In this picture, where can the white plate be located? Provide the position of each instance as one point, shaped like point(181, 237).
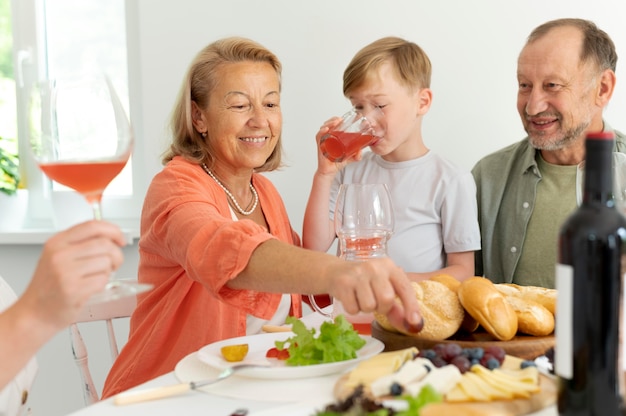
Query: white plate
point(276, 369)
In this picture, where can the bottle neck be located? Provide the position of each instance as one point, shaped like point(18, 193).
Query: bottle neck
point(598, 183)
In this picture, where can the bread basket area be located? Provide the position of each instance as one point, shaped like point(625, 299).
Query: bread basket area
point(478, 313)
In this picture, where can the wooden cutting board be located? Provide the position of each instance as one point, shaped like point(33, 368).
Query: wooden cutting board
point(522, 346)
point(546, 397)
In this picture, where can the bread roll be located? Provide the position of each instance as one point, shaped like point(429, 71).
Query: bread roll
point(532, 318)
point(469, 324)
point(488, 306)
point(543, 296)
point(440, 308)
point(451, 282)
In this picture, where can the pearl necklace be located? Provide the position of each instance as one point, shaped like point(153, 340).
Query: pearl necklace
point(231, 196)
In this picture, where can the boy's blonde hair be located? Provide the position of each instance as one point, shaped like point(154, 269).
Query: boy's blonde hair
point(411, 64)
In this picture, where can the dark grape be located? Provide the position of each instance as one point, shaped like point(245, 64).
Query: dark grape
point(438, 348)
point(492, 363)
point(428, 353)
point(462, 363)
point(496, 352)
point(450, 351)
point(439, 362)
point(527, 363)
point(486, 357)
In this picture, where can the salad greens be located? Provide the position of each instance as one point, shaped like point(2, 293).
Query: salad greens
point(337, 341)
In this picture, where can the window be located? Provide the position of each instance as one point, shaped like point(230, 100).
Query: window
point(53, 38)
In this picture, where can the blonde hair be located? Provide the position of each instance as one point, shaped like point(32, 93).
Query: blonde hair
point(411, 64)
point(200, 80)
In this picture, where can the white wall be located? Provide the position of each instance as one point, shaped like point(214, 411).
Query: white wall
point(473, 46)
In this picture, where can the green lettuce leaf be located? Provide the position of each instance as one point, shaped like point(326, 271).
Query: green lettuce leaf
point(337, 341)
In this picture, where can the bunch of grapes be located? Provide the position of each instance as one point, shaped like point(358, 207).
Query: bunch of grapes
point(464, 358)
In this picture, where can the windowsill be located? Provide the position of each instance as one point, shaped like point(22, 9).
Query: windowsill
point(40, 235)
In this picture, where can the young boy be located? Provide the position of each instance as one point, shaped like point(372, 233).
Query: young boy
point(436, 227)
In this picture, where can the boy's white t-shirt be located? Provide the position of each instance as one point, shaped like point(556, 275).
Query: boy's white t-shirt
point(12, 395)
point(434, 204)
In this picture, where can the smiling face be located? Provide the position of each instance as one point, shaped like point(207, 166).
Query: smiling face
point(558, 94)
point(402, 108)
point(243, 119)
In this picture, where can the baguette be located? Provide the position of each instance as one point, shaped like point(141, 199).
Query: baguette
point(488, 306)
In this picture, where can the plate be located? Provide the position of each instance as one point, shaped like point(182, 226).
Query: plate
point(523, 346)
point(275, 369)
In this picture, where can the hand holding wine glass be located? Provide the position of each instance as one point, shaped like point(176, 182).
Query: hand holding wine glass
point(81, 138)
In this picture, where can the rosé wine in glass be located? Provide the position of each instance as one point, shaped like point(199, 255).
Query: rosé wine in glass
point(80, 137)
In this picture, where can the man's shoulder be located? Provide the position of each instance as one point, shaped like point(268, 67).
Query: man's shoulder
point(620, 141)
point(505, 154)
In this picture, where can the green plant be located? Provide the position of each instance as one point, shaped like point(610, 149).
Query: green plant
point(9, 172)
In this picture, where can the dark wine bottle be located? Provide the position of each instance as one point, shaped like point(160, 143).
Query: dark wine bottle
point(592, 242)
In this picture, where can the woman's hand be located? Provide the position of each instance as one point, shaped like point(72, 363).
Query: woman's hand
point(377, 285)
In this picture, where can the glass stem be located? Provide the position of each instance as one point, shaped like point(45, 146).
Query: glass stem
point(97, 210)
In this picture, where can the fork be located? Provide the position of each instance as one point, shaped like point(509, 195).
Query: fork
point(168, 391)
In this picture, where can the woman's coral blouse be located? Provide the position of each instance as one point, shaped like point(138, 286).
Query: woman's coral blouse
point(189, 249)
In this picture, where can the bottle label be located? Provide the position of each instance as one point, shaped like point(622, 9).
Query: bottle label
point(563, 352)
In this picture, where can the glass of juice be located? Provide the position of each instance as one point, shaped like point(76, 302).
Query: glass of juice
point(355, 132)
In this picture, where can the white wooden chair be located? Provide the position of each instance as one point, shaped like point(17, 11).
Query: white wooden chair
point(120, 308)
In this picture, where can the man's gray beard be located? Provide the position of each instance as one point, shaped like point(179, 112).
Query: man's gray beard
point(570, 137)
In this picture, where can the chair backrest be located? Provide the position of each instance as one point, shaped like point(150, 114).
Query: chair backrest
point(120, 308)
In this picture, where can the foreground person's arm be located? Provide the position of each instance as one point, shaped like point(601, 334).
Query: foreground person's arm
point(74, 265)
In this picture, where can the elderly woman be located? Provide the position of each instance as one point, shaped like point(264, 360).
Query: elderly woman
point(216, 241)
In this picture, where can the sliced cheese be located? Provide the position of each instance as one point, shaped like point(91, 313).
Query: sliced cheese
point(441, 379)
point(378, 366)
point(411, 371)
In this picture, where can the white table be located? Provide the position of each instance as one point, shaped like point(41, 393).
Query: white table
point(219, 400)
point(200, 403)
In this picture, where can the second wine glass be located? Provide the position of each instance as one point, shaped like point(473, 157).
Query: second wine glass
point(81, 138)
point(364, 220)
point(364, 223)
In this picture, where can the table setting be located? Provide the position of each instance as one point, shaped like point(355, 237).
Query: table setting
point(260, 391)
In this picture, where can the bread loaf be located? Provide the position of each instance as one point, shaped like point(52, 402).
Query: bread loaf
point(469, 324)
point(534, 306)
point(488, 306)
point(532, 318)
point(440, 308)
point(541, 295)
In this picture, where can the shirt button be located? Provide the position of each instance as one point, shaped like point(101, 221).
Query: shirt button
point(513, 249)
point(525, 204)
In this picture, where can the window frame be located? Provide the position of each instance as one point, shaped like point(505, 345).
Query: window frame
point(28, 54)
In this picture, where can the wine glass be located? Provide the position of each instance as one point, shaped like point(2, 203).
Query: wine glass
point(81, 138)
point(363, 220)
point(364, 223)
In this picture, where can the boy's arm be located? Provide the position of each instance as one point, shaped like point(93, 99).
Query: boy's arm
point(460, 266)
point(318, 232)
